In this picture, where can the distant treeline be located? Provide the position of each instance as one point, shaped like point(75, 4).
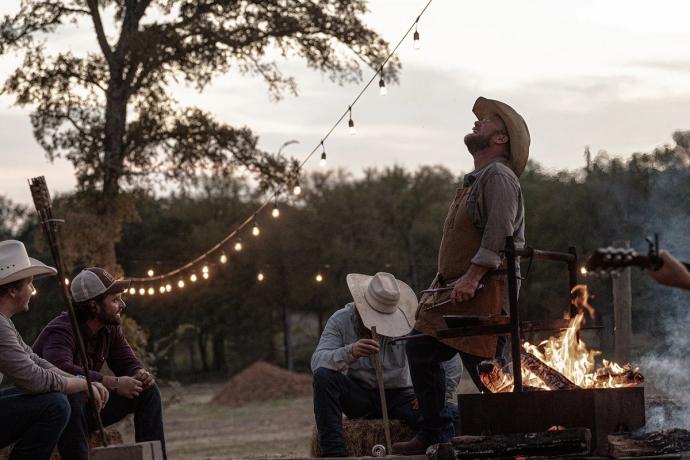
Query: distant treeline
point(386, 220)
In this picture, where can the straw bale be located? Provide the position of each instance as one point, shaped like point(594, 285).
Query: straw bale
point(363, 434)
point(263, 382)
point(113, 435)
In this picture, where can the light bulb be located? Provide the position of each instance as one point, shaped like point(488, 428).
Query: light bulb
point(161, 289)
point(223, 258)
point(192, 278)
point(260, 276)
point(276, 212)
point(205, 275)
point(168, 287)
point(66, 281)
point(180, 284)
point(415, 40)
point(150, 272)
point(142, 291)
point(382, 87)
point(255, 230)
point(583, 271)
point(351, 125)
point(322, 162)
point(132, 291)
point(34, 291)
point(319, 277)
point(205, 269)
point(238, 246)
point(151, 291)
point(297, 190)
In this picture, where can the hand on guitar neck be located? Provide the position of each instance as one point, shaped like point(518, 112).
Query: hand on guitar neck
point(672, 272)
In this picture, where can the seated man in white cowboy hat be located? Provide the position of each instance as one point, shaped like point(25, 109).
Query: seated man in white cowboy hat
point(344, 363)
point(35, 411)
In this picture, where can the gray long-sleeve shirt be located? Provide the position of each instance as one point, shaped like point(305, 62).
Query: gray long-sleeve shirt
point(496, 207)
point(334, 352)
point(26, 370)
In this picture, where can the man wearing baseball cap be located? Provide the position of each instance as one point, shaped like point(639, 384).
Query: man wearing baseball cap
point(35, 410)
point(98, 305)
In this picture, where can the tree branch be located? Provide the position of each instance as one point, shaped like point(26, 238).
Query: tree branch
point(100, 32)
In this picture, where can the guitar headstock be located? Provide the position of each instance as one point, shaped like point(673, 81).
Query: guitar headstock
point(610, 260)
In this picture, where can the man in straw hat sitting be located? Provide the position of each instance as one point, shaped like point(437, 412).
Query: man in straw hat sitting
point(35, 411)
point(344, 363)
point(98, 305)
point(485, 210)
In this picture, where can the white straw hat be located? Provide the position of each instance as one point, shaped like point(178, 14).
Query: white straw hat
point(15, 263)
point(384, 302)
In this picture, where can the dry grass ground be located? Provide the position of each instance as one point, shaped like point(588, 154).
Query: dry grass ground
point(196, 429)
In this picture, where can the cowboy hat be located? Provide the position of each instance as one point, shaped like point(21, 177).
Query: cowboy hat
point(516, 126)
point(384, 302)
point(15, 263)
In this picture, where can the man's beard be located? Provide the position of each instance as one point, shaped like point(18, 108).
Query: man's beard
point(476, 142)
point(112, 320)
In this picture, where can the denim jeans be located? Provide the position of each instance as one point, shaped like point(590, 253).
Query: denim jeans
point(335, 394)
point(148, 421)
point(425, 356)
point(32, 422)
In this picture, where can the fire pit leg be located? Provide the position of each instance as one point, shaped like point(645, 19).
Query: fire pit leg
point(514, 315)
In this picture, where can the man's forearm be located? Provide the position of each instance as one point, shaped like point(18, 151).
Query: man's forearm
point(475, 273)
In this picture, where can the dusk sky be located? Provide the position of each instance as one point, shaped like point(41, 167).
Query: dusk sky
point(614, 75)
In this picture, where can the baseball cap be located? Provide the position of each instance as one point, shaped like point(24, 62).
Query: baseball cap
point(94, 281)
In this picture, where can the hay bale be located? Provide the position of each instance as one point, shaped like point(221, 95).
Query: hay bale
point(114, 437)
point(263, 382)
point(361, 435)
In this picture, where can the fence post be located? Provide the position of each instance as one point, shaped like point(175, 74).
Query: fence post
point(622, 311)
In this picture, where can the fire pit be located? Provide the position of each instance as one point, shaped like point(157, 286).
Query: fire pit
point(559, 385)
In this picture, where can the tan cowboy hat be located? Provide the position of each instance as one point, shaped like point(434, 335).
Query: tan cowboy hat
point(516, 126)
point(15, 263)
point(384, 302)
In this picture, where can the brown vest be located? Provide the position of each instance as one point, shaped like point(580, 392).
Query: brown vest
point(461, 241)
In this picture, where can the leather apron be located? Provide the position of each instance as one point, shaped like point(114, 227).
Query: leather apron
point(461, 241)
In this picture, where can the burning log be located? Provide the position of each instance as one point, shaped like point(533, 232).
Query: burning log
point(493, 377)
point(619, 376)
point(553, 379)
point(559, 443)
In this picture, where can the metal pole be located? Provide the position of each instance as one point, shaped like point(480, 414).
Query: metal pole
point(514, 315)
point(382, 394)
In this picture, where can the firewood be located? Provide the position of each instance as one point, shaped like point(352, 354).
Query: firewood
point(558, 443)
point(493, 377)
point(629, 376)
point(551, 377)
point(655, 443)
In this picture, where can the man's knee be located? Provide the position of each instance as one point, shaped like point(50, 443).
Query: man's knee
point(57, 407)
point(324, 377)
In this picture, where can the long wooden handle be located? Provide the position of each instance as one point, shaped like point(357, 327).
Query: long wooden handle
point(382, 394)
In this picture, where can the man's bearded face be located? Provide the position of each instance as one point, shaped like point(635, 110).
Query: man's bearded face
point(482, 133)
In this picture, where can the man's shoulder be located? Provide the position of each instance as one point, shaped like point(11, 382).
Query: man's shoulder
point(499, 169)
point(342, 314)
point(60, 322)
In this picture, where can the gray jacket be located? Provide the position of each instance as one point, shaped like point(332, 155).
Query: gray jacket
point(26, 370)
point(334, 352)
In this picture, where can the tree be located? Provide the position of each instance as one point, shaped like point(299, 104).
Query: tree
point(111, 112)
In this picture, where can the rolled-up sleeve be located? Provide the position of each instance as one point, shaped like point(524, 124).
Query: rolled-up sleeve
point(499, 207)
point(332, 352)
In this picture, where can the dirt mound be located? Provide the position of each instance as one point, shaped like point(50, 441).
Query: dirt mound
point(263, 382)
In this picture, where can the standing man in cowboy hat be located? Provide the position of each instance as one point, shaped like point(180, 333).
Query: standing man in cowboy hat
point(485, 210)
point(35, 411)
point(344, 363)
point(98, 305)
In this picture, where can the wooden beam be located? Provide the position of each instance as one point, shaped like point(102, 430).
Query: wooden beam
point(622, 311)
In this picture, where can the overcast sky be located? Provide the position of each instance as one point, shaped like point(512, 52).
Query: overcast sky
point(612, 74)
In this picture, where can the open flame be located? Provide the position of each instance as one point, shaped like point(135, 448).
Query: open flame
point(569, 356)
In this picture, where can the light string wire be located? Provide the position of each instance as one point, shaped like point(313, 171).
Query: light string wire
point(150, 280)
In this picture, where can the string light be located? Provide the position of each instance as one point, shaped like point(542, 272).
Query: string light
point(66, 281)
point(415, 36)
point(151, 291)
point(161, 289)
point(34, 291)
point(205, 275)
point(319, 277)
point(193, 278)
point(382, 84)
point(132, 291)
point(168, 287)
point(297, 189)
point(322, 162)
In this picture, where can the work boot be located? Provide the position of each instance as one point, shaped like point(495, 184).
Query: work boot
point(415, 446)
